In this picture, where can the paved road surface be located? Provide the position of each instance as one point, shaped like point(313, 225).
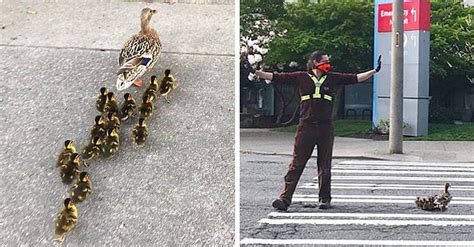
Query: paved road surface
point(373, 204)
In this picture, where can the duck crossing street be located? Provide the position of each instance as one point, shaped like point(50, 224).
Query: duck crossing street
point(373, 203)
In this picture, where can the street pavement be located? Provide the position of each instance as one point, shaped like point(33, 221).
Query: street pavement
point(176, 190)
point(373, 204)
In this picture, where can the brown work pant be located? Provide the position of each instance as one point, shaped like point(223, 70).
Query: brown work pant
point(307, 137)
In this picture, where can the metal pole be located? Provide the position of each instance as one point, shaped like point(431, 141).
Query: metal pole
point(396, 87)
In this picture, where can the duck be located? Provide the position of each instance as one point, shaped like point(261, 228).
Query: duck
point(167, 85)
point(98, 129)
point(146, 109)
point(442, 199)
point(152, 90)
point(128, 107)
point(140, 133)
point(139, 53)
point(66, 220)
point(82, 188)
point(101, 99)
point(92, 150)
point(113, 121)
point(65, 153)
point(111, 104)
point(70, 170)
point(111, 144)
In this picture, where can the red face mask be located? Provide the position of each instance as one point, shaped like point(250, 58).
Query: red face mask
point(325, 67)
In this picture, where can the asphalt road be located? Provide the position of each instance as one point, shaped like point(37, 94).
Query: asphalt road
point(378, 201)
point(177, 189)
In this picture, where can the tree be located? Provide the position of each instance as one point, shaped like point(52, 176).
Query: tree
point(451, 56)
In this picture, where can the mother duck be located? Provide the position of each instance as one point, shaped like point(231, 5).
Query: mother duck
point(139, 54)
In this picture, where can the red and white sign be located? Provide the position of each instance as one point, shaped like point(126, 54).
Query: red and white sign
point(416, 16)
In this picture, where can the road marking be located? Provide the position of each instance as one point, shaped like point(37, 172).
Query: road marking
point(366, 222)
point(353, 242)
point(395, 178)
point(383, 188)
point(367, 215)
point(440, 186)
point(385, 201)
point(403, 172)
point(424, 168)
point(400, 163)
point(457, 198)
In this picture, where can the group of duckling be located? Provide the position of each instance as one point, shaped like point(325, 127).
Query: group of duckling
point(436, 202)
point(104, 141)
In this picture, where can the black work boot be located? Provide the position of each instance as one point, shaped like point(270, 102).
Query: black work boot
point(279, 204)
point(324, 205)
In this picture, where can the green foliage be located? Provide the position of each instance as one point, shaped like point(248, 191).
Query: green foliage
point(451, 50)
point(437, 132)
point(447, 132)
point(344, 29)
point(341, 127)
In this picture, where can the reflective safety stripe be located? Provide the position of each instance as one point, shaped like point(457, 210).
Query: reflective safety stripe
point(317, 89)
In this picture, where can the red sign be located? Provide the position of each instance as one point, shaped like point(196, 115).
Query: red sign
point(416, 16)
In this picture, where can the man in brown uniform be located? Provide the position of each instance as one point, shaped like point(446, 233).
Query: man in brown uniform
point(317, 88)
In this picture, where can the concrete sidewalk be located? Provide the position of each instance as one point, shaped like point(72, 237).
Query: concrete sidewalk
point(265, 141)
point(176, 190)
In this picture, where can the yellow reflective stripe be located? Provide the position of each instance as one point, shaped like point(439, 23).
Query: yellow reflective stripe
point(317, 90)
point(305, 97)
point(317, 93)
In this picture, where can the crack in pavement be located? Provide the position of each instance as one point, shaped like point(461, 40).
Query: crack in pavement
point(115, 50)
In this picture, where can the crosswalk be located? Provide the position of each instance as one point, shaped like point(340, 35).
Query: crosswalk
point(375, 198)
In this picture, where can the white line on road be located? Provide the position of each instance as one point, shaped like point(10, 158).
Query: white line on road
point(383, 188)
point(457, 198)
point(366, 222)
point(424, 168)
point(385, 201)
point(249, 241)
point(442, 173)
point(404, 178)
point(368, 215)
point(441, 186)
point(401, 163)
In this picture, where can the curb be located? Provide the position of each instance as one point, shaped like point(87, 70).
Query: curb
point(350, 157)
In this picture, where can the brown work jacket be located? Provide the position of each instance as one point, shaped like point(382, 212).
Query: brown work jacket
point(316, 110)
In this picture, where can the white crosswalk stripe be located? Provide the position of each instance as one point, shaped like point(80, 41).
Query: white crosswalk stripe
point(377, 183)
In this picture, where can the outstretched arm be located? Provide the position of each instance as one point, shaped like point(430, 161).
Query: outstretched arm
point(365, 75)
point(264, 75)
point(368, 74)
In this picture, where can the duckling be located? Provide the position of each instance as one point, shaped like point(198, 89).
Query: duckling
point(443, 198)
point(167, 85)
point(152, 90)
point(65, 153)
point(82, 189)
point(113, 121)
point(92, 150)
point(98, 129)
point(418, 202)
point(146, 109)
point(101, 99)
point(111, 104)
point(140, 133)
point(66, 220)
point(111, 144)
point(139, 54)
point(128, 107)
point(70, 170)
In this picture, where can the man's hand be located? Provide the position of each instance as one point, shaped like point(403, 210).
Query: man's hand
point(248, 66)
point(379, 64)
